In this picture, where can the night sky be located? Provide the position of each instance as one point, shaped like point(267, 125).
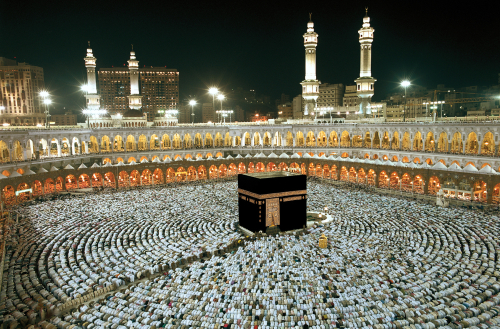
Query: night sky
point(255, 45)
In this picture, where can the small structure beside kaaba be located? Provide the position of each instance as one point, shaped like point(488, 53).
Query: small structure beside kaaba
point(272, 199)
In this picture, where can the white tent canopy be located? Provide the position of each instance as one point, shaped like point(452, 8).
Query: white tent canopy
point(68, 166)
point(82, 166)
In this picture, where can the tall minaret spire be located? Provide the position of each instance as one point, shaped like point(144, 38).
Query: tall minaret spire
point(365, 82)
point(135, 99)
point(310, 86)
point(91, 88)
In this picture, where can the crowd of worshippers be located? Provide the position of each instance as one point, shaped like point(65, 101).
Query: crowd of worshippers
point(389, 263)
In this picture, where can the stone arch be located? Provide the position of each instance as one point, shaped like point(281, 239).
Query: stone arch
point(105, 144)
point(267, 139)
point(222, 171)
point(471, 145)
point(97, 180)
point(241, 168)
point(170, 175)
point(344, 174)
point(154, 142)
point(376, 140)
point(135, 178)
point(209, 142)
point(442, 161)
point(251, 168)
point(368, 140)
point(429, 161)
point(417, 160)
point(84, 181)
point(405, 160)
point(118, 160)
point(480, 191)
point(93, 145)
point(333, 172)
point(443, 142)
point(353, 175)
point(176, 142)
point(371, 177)
point(333, 140)
point(228, 141)
point(394, 182)
point(232, 170)
point(130, 159)
point(385, 141)
point(198, 141)
point(429, 145)
point(395, 141)
point(157, 176)
point(310, 139)
point(248, 139)
point(213, 172)
point(406, 183)
point(109, 180)
point(202, 172)
point(37, 188)
point(488, 144)
point(256, 139)
point(71, 182)
point(4, 153)
point(289, 139)
point(434, 185)
point(146, 177)
point(237, 141)
point(218, 142)
point(394, 158)
point(383, 179)
point(299, 139)
point(361, 176)
point(417, 142)
point(345, 140)
point(357, 141)
point(59, 184)
point(457, 143)
point(259, 167)
point(188, 141)
point(406, 145)
point(192, 173)
point(271, 166)
point(118, 144)
point(65, 147)
point(322, 140)
point(143, 158)
point(418, 184)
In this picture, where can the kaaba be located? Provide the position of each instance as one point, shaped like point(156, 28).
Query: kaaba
point(272, 199)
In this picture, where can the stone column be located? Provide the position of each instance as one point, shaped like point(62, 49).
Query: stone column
point(489, 195)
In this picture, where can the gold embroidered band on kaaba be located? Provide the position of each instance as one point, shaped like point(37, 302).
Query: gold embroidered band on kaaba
point(271, 195)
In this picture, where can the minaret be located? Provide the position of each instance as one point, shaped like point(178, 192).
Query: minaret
point(365, 82)
point(91, 91)
point(310, 86)
point(135, 99)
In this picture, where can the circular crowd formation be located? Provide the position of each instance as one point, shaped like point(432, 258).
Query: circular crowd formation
point(389, 263)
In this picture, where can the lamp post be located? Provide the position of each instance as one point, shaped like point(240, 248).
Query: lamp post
point(224, 113)
point(192, 103)
point(221, 98)
point(213, 91)
point(45, 96)
point(405, 84)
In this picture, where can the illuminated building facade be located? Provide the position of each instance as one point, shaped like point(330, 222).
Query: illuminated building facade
point(20, 103)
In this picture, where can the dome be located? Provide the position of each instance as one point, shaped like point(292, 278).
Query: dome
point(132, 114)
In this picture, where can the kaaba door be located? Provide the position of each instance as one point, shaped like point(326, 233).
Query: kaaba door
point(272, 212)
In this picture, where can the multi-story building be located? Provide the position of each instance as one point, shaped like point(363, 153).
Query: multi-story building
point(185, 114)
point(239, 114)
point(66, 119)
point(285, 111)
point(330, 95)
point(350, 98)
point(297, 107)
point(20, 102)
point(207, 112)
point(159, 88)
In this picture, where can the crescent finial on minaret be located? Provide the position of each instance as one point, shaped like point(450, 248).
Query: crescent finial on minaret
point(366, 9)
point(310, 17)
point(89, 43)
point(132, 46)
